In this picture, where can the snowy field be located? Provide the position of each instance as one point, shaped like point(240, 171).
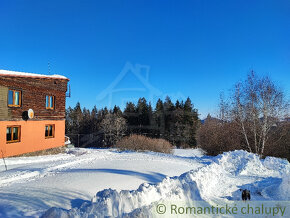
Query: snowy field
point(86, 182)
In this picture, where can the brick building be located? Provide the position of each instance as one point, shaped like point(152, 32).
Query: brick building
point(32, 112)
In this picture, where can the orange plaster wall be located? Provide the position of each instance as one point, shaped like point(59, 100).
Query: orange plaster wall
point(32, 137)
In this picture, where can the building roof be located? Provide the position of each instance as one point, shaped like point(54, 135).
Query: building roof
point(22, 74)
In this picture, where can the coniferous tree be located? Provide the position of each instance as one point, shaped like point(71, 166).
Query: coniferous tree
point(117, 111)
point(74, 117)
point(192, 122)
point(142, 110)
point(178, 125)
point(68, 120)
point(130, 115)
point(94, 119)
point(151, 129)
point(168, 118)
point(159, 118)
point(86, 125)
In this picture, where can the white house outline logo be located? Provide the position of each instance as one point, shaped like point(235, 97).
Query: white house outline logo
point(136, 70)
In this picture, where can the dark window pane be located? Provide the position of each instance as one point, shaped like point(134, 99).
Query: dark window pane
point(15, 133)
point(8, 134)
point(10, 97)
point(50, 131)
point(46, 131)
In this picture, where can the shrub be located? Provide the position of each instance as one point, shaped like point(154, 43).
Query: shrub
point(143, 143)
point(278, 143)
point(216, 137)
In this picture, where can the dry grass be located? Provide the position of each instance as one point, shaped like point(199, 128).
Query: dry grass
point(143, 143)
point(50, 151)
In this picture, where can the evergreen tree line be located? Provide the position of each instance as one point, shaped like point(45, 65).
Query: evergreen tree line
point(176, 122)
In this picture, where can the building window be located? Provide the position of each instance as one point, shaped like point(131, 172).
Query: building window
point(14, 98)
point(49, 131)
point(13, 134)
point(49, 102)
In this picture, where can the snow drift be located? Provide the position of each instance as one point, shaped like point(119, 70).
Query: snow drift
point(219, 180)
point(284, 188)
point(112, 203)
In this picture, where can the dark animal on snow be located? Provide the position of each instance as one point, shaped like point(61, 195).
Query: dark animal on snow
point(246, 195)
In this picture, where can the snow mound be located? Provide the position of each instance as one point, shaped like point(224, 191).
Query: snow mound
point(279, 165)
point(241, 162)
point(284, 188)
point(217, 181)
point(236, 170)
point(113, 203)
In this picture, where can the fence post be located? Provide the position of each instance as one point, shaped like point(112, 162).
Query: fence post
point(4, 160)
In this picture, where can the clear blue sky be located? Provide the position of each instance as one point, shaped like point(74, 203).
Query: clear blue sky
point(194, 48)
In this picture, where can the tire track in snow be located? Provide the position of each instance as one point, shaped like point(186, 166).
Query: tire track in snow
point(27, 175)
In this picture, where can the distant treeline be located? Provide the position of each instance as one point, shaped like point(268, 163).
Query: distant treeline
point(176, 122)
point(254, 117)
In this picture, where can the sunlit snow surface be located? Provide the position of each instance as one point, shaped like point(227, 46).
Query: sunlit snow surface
point(96, 182)
point(24, 74)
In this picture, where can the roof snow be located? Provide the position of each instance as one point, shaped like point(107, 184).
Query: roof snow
point(22, 74)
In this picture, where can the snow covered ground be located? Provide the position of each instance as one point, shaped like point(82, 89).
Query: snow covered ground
point(34, 184)
point(95, 182)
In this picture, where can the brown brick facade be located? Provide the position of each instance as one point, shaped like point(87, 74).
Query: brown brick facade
point(33, 91)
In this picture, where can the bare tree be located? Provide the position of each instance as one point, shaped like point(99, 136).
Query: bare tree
point(257, 106)
point(114, 127)
point(223, 114)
